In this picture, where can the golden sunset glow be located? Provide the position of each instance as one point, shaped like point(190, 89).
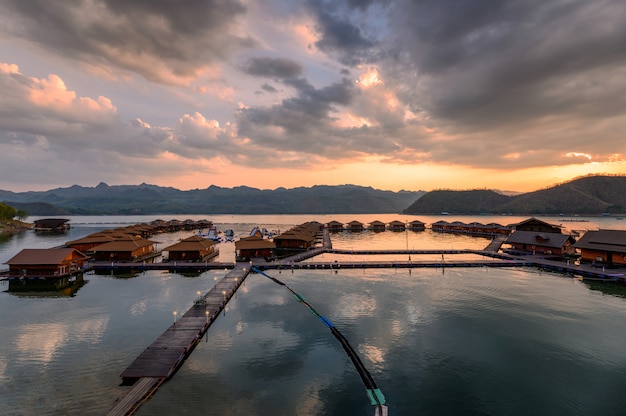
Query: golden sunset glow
point(298, 94)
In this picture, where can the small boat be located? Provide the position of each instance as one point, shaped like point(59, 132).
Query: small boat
point(213, 235)
point(229, 235)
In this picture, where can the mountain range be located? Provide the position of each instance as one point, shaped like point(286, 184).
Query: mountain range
point(590, 195)
point(151, 199)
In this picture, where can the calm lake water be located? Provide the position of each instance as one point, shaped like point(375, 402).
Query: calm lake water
point(437, 342)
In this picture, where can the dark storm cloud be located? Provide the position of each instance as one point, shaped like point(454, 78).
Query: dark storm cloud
point(272, 68)
point(482, 63)
point(304, 120)
point(268, 88)
point(340, 36)
point(134, 35)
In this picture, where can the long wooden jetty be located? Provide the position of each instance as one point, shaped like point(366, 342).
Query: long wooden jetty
point(174, 266)
point(166, 354)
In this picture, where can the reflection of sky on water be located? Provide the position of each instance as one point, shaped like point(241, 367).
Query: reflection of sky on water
point(3, 367)
point(372, 353)
point(418, 332)
point(38, 343)
point(41, 342)
point(139, 307)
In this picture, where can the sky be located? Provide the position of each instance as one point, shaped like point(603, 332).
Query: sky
point(414, 95)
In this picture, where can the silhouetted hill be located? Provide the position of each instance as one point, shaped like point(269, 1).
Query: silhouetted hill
point(39, 208)
point(591, 195)
point(458, 202)
point(151, 199)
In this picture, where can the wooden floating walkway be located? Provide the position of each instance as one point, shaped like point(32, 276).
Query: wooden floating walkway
point(393, 264)
point(175, 266)
point(166, 354)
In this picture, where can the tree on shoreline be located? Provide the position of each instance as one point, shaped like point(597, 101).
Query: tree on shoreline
point(7, 212)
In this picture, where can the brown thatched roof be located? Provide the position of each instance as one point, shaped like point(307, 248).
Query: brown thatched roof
point(253, 243)
point(193, 243)
point(44, 256)
point(124, 245)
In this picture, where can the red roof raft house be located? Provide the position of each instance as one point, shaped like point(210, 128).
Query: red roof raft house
point(354, 226)
point(417, 225)
point(132, 249)
point(396, 225)
point(298, 239)
point(603, 247)
point(45, 269)
point(334, 226)
point(194, 248)
point(377, 226)
point(247, 248)
point(532, 242)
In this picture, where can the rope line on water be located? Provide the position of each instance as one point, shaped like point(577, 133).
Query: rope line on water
point(373, 392)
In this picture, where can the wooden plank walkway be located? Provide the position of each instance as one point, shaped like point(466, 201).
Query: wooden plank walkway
point(495, 244)
point(172, 265)
point(140, 392)
point(392, 264)
point(166, 354)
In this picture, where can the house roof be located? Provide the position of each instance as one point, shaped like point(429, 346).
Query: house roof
point(377, 223)
point(124, 245)
point(536, 221)
point(43, 256)
point(252, 243)
point(355, 223)
point(104, 237)
point(300, 235)
point(50, 222)
point(603, 240)
point(540, 239)
point(440, 222)
point(193, 243)
point(334, 224)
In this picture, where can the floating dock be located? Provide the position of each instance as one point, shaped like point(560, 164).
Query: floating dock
point(166, 354)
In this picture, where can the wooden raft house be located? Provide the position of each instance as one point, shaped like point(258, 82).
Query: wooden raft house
point(536, 225)
point(603, 246)
point(194, 248)
point(417, 225)
point(51, 225)
point(44, 269)
point(334, 226)
point(132, 249)
point(299, 238)
point(396, 225)
point(376, 226)
point(354, 226)
point(532, 242)
point(248, 248)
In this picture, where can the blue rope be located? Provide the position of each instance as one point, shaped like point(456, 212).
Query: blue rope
point(373, 392)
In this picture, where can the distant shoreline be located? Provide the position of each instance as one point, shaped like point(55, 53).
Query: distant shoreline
point(13, 226)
